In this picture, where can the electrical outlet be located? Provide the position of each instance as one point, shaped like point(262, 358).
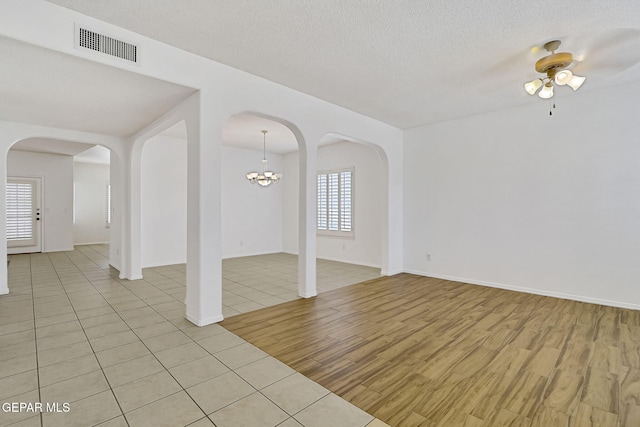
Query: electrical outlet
point(428, 257)
point(241, 243)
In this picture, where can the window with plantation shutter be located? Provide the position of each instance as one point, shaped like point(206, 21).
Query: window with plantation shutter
point(335, 203)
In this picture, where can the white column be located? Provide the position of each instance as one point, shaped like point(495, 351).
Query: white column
point(4, 282)
point(394, 216)
point(204, 249)
point(6, 141)
point(132, 179)
point(307, 219)
point(116, 177)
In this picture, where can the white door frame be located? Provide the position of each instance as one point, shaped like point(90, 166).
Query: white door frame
point(15, 247)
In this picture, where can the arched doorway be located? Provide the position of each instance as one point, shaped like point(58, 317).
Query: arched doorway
point(351, 186)
point(64, 186)
point(259, 224)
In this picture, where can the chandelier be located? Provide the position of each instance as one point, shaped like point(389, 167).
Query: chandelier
point(266, 177)
point(554, 66)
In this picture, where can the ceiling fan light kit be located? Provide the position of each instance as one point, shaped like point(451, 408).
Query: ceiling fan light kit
point(554, 66)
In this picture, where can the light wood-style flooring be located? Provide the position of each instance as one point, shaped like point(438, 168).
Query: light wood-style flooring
point(418, 351)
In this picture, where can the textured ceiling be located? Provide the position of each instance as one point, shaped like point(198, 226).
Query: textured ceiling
point(403, 62)
point(44, 87)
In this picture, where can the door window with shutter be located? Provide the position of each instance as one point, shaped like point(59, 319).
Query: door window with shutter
point(23, 215)
point(335, 203)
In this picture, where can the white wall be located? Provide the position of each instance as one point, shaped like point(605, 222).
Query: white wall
point(91, 180)
point(290, 219)
point(523, 200)
point(57, 173)
point(251, 215)
point(365, 247)
point(164, 201)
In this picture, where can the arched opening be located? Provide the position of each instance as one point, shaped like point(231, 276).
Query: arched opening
point(59, 199)
point(259, 248)
point(259, 263)
point(67, 192)
point(351, 188)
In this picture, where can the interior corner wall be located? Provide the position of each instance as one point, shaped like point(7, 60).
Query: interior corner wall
point(365, 248)
point(163, 201)
point(57, 180)
point(251, 215)
point(521, 200)
point(90, 183)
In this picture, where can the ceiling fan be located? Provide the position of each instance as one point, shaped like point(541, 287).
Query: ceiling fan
point(555, 66)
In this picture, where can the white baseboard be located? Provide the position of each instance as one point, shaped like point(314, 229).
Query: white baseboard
point(204, 322)
point(346, 261)
point(391, 272)
point(162, 264)
point(124, 276)
point(533, 291)
point(91, 243)
point(311, 295)
point(250, 254)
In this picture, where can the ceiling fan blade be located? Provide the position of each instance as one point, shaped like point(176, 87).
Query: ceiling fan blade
point(523, 59)
point(607, 54)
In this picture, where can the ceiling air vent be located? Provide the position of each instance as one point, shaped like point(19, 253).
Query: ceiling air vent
point(108, 45)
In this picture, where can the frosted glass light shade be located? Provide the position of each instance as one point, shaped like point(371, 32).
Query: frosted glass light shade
point(566, 77)
point(563, 77)
point(547, 91)
point(532, 86)
point(576, 82)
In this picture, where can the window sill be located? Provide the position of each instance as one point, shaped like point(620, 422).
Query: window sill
point(337, 234)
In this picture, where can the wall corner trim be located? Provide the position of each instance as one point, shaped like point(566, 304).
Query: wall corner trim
point(204, 322)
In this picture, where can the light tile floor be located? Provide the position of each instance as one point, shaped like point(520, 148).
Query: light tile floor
point(254, 282)
point(119, 352)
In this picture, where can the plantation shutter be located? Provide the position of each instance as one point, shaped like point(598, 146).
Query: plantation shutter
point(345, 201)
point(20, 211)
point(322, 202)
point(335, 201)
